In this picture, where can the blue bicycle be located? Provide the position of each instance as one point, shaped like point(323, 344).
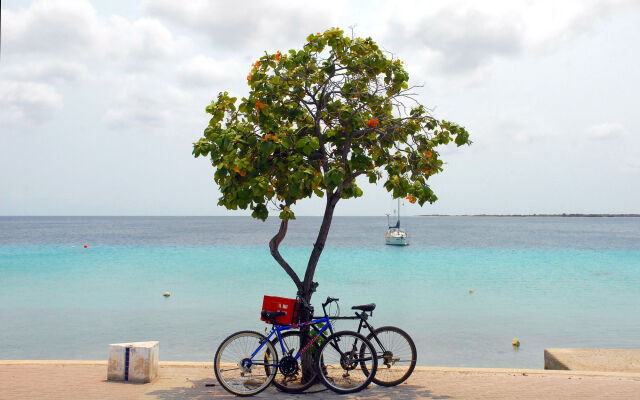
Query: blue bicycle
point(247, 362)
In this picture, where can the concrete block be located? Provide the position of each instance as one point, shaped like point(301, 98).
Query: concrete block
point(133, 362)
point(603, 360)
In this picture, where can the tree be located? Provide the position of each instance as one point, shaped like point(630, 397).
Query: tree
point(315, 120)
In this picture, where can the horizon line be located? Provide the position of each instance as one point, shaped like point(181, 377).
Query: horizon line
point(351, 216)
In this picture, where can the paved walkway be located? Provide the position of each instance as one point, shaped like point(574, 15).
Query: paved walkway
point(87, 380)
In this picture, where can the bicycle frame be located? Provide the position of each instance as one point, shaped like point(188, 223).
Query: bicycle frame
point(280, 328)
point(363, 322)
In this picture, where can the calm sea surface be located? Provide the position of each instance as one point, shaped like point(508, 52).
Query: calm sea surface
point(550, 282)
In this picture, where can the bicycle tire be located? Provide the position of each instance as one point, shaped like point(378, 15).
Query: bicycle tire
point(339, 358)
point(398, 360)
point(291, 341)
point(234, 360)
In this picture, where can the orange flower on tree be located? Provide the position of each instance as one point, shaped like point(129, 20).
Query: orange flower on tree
point(249, 77)
point(277, 56)
point(259, 105)
point(373, 122)
point(429, 153)
point(242, 173)
point(411, 199)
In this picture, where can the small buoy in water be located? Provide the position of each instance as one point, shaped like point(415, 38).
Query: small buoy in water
point(515, 342)
point(166, 294)
point(85, 246)
point(470, 291)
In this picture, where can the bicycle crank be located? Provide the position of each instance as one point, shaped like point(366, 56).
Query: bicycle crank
point(288, 366)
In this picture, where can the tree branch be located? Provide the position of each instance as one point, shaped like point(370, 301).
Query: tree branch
point(273, 246)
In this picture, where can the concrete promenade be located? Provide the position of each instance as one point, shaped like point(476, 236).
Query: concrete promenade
point(183, 380)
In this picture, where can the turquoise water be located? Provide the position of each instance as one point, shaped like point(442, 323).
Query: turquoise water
point(66, 302)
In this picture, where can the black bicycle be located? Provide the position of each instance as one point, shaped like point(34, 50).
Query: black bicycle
point(395, 350)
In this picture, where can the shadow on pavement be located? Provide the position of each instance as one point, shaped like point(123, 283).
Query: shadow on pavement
point(201, 391)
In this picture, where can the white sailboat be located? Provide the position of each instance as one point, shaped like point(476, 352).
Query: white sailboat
point(396, 236)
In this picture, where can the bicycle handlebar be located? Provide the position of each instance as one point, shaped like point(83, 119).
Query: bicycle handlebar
point(329, 301)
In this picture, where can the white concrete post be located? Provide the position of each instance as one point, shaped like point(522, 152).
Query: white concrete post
point(133, 362)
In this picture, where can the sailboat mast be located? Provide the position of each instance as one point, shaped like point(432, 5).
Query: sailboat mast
point(398, 212)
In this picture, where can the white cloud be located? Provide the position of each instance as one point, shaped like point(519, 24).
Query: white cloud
point(28, 101)
point(47, 71)
point(54, 42)
point(632, 166)
point(547, 23)
point(52, 27)
point(606, 131)
point(201, 71)
point(141, 43)
point(457, 41)
point(244, 22)
point(57, 28)
point(145, 106)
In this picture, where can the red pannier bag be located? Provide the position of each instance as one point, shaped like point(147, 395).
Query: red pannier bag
point(290, 306)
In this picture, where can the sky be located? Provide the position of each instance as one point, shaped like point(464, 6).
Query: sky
point(100, 102)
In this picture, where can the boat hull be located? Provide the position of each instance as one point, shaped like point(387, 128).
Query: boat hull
point(397, 241)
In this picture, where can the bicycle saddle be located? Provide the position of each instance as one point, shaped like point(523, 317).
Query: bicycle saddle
point(269, 315)
point(365, 307)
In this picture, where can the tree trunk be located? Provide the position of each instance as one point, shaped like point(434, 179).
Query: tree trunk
point(308, 286)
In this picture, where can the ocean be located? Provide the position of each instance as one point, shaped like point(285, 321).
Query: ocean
point(550, 282)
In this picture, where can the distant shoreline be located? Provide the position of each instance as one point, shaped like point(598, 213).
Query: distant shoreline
point(320, 216)
point(535, 215)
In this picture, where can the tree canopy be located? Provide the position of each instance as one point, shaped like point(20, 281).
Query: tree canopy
point(317, 118)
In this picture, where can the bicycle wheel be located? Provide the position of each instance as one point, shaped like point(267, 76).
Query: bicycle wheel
point(296, 382)
point(341, 360)
point(397, 356)
point(240, 374)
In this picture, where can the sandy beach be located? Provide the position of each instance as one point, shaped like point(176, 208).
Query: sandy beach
point(183, 380)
